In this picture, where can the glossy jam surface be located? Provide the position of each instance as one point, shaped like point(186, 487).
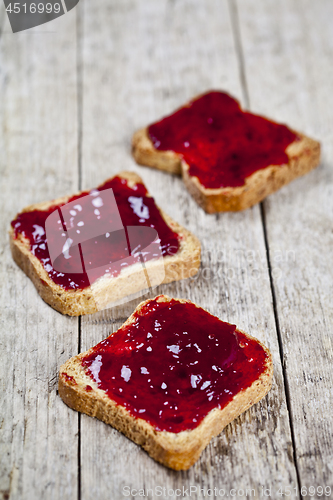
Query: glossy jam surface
point(174, 364)
point(221, 143)
point(87, 218)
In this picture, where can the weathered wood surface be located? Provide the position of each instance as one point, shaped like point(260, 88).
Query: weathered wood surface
point(68, 112)
point(38, 160)
point(288, 54)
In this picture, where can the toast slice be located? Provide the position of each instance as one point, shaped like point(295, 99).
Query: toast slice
point(146, 154)
point(237, 142)
point(86, 296)
point(171, 378)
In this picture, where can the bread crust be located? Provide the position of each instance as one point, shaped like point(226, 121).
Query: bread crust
point(145, 154)
point(179, 451)
point(106, 290)
point(303, 155)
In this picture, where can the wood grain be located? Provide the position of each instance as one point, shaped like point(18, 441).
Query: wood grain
point(139, 61)
point(38, 143)
point(288, 52)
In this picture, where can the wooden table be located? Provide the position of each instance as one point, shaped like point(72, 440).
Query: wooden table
point(72, 93)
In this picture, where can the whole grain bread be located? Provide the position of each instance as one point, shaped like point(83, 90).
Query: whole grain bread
point(178, 451)
point(106, 290)
point(303, 155)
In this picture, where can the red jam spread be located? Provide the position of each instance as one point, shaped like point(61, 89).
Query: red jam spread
point(174, 364)
point(221, 143)
point(133, 216)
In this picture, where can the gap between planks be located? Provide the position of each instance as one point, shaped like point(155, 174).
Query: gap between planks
point(242, 72)
point(79, 72)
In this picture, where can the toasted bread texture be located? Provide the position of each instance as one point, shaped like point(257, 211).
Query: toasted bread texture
point(146, 154)
point(177, 450)
point(106, 291)
point(303, 156)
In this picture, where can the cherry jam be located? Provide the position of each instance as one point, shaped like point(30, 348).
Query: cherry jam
point(221, 143)
point(131, 213)
point(174, 364)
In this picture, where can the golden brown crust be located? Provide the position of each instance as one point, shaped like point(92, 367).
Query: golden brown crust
point(177, 451)
point(105, 291)
point(303, 154)
point(145, 154)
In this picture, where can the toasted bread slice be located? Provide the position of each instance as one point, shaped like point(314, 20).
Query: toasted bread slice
point(303, 155)
point(106, 290)
point(177, 439)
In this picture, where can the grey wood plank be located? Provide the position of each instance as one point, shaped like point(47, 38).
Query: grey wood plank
point(38, 143)
point(139, 61)
point(288, 50)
